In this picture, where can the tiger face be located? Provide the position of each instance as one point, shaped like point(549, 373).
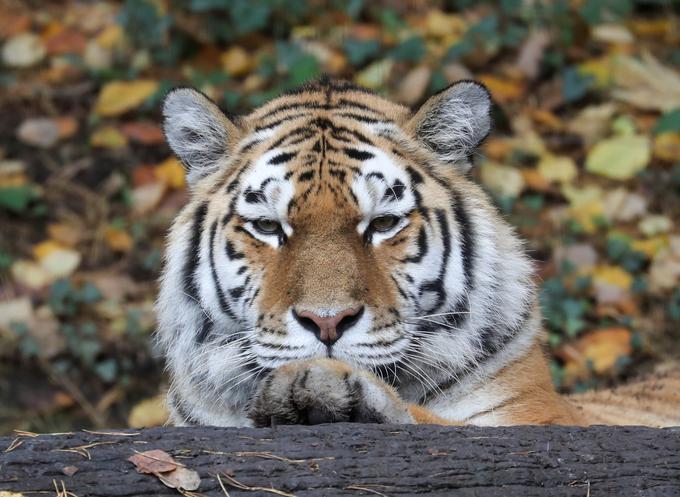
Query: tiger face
point(328, 223)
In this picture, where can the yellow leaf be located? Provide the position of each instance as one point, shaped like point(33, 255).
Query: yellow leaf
point(651, 246)
point(43, 249)
point(10, 494)
point(376, 74)
point(171, 172)
point(119, 97)
point(441, 25)
point(236, 61)
point(119, 240)
point(108, 137)
point(600, 69)
point(612, 275)
point(111, 37)
point(603, 348)
point(621, 157)
point(503, 90)
point(149, 412)
point(667, 146)
point(557, 168)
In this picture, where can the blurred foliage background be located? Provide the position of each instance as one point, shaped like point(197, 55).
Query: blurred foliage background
point(584, 160)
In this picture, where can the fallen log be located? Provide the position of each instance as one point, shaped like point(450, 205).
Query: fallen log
point(354, 460)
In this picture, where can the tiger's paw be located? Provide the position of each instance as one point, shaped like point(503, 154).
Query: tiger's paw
point(325, 391)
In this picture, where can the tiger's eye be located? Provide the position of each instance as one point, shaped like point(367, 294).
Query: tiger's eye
point(267, 226)
point(384, 223)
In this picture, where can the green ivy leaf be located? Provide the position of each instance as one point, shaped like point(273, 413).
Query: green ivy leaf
point(17, 198)
point(669, 122)
point(410, 50)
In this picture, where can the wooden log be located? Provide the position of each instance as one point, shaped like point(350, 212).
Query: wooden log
point(357, 459)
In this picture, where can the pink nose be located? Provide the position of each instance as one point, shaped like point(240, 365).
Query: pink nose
point(329, 329)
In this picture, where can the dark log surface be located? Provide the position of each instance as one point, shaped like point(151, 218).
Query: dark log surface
point(355, 460)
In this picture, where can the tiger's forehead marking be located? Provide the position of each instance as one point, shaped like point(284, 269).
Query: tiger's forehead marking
point(325, 156)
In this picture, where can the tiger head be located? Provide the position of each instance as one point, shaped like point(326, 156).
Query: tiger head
point(329, 222)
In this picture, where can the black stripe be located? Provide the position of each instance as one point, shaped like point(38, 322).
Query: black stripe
point(281, 158)
point(395, 192)
point(255, 197)
point(278, 122)
point(360, 118)
point(355, 154)
point(306, 176)
point(468, 247)
point(193, 254)
point(297, 131)
point(437, 285)
point(422, 245)
point(224, 305)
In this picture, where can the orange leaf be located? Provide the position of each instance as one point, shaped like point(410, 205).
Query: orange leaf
point(143, 132)
point(171, 172)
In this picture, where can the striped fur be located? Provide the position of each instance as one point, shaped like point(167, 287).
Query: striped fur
point(450, 326)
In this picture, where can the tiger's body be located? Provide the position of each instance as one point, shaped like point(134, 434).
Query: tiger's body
point(336, 263)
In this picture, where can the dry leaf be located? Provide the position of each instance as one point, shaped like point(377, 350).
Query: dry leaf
point(143, 132)
point(559, 169)
point(504, 180)
point(163, 466)
point(108, 137)
point(646, 83)
point(23, 50)
point(40, 132)
point(181, 478)
point(413, 85)
point(15, 311)
point(153, 461)
point(147, 196)
point(118, 240)
point(119, 97)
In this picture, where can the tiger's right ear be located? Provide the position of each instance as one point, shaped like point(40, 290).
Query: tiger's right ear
point(197, 131)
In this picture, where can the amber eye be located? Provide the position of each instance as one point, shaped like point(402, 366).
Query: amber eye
point(267, 226)
point(385, 223)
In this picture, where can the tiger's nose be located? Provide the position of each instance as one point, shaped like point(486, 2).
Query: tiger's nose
point(329, 329)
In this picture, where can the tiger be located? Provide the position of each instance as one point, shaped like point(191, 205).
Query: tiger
point(336, 262)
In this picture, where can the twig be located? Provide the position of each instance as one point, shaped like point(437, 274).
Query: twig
point(237, 484)
point(366, 489)
point(62, 492)
point(83, 449)
point(113, 433)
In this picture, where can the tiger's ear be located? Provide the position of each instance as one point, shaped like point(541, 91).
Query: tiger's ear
point(454, 122)
point(197, 131)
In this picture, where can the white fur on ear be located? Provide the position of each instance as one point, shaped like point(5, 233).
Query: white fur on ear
point(454, 122)
point(196, 130)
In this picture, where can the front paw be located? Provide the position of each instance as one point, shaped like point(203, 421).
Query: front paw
point(325, 391)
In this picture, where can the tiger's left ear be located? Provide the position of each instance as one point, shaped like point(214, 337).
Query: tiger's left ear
point(454, 122)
